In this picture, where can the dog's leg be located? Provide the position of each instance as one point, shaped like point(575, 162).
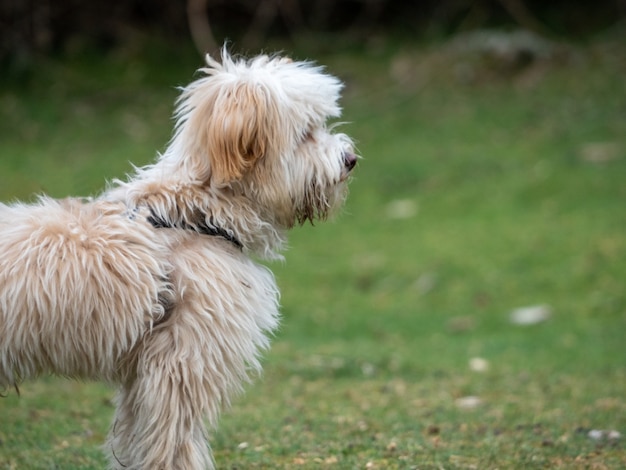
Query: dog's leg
point(187, 368)
point(159, 422)
point(120, 435)
point(156, 427)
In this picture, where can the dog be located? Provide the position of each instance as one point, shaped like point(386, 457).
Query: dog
point(153, 285)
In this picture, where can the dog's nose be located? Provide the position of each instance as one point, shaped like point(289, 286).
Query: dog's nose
point(349, 160)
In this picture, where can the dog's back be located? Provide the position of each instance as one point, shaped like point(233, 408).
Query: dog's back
point(79, 284)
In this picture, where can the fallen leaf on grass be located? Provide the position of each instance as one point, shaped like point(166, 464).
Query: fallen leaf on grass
point(600, 152)
point(461, 324)
point(425, 283)
point(433, 430)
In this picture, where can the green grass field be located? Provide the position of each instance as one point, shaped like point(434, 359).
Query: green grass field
point(481, 190)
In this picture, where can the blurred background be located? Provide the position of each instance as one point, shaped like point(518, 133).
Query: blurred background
point(467, 308)
point(34, 27)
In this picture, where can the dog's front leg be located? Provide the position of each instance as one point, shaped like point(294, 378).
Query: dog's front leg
point(159, 421)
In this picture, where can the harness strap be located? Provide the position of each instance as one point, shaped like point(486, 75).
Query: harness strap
point(201, 227)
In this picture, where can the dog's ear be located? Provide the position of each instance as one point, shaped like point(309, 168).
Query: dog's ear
point(235, 129)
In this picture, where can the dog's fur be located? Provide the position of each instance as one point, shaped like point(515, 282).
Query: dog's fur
point(150, 286)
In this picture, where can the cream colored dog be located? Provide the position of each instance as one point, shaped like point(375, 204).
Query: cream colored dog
point(150, 286)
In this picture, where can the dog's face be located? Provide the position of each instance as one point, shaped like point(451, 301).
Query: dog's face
point(260, 128)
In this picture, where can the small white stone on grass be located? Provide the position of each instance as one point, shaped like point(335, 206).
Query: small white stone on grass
point(530, 315)
point(613, 435)
point(478, 364)
point(468, 403)
point(599, 434)
point(595, 434)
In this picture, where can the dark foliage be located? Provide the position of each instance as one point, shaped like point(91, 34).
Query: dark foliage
point(31, 27)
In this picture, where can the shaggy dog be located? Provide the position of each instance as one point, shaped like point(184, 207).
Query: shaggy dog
point(150, 286)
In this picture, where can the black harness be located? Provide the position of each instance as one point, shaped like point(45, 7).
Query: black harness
point(200, 227)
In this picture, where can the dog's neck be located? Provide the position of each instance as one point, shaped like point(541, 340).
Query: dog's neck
point(199, 206)
point(199, 226)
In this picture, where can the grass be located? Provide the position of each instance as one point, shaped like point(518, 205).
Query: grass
point(475, 196)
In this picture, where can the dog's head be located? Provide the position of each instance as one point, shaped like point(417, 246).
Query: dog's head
point(259, 127)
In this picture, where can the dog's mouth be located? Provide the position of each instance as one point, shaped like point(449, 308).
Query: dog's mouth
point(349, 162)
